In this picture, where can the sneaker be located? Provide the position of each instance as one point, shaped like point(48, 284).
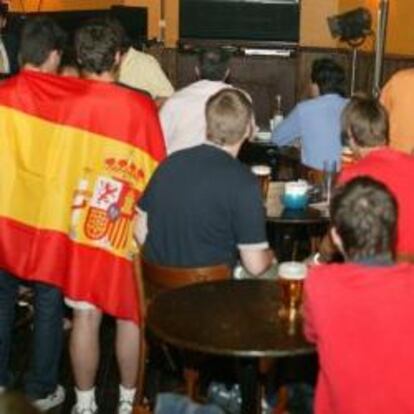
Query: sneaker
point(51, 400)
point(85, 410)
point(125, 407)
point(2, 390)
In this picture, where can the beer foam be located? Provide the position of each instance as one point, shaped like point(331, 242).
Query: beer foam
point(292, 270)
point(296, 187)
point(261, 170)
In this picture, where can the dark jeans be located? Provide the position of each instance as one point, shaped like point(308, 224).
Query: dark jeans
point(42, 377)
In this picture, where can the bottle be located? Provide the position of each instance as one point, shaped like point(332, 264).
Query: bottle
point(277, 113)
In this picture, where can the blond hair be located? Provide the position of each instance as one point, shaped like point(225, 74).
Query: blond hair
point(367, 122)
point(230, 117)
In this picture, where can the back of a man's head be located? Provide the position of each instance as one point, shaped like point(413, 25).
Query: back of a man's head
point(329, 76)
point(364, 215)
point(97, 44)
point(366, 121)
point(230, 117)
point(213, 64)
point(39, 38)
point(121, 32)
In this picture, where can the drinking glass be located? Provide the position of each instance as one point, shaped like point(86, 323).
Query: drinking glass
point(291, 278)
point(263, 173)
point(329, 178)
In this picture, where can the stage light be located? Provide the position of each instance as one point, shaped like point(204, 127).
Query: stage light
point(351, 26)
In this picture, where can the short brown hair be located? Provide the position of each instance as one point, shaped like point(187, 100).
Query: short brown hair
point(367, 121)
point(229, 115)
point(364, 213)
point(213, 64)
point(40, 36)
point(96, 46)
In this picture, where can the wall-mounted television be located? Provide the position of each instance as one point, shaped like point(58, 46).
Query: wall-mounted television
point(238, 21)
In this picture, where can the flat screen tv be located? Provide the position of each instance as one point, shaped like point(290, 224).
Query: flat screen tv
point(257, 21)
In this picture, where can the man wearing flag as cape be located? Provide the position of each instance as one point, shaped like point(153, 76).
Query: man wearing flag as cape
point(76, 155)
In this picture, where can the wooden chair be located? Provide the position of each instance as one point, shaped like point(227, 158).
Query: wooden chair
point(153, 279)
point(159, 278)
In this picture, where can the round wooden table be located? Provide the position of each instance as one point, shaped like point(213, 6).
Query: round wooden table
point(237, 318)
point(287, 227)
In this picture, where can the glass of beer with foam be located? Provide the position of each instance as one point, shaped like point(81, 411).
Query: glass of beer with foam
point(291, 278)
point(263, 173)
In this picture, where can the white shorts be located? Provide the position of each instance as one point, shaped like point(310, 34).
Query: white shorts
point(79, 304)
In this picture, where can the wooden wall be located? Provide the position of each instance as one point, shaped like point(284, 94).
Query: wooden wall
point(154, 11)
point(54, 5)
point(313, 32)
point(264, 77)
point(400, 38)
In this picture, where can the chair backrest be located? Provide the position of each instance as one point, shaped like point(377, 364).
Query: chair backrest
point(152, 279)
point(157, 278)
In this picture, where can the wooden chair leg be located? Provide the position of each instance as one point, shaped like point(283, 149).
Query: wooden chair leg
point(141, 410)
point(282, 401)
point(191, 377)
point(315, 242)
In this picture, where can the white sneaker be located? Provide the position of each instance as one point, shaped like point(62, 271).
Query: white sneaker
point(125, 407)
point(52, 400)
point(2, 390)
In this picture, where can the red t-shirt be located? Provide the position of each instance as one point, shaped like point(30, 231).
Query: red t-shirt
point(361, 319)
point(396, 170)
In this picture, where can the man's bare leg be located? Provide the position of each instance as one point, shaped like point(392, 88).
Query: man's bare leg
point(127, 351)
point(84, 351)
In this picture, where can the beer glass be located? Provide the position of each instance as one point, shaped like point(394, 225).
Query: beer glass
point(263, 173)
point(291, 278)
point(329, 177)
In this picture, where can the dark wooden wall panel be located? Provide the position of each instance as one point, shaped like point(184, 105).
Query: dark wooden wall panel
point(264, 77)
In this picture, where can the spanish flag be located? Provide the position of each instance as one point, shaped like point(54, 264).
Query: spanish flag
point(75, 156)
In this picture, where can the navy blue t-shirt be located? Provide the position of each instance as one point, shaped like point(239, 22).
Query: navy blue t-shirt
point(201, 205)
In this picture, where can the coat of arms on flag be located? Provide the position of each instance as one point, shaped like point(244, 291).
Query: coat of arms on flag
point(103, 208)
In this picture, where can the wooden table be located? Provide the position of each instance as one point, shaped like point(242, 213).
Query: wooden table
point(286, 227)
point(235, 318)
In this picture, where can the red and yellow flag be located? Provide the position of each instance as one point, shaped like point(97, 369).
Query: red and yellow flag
point(75, 156)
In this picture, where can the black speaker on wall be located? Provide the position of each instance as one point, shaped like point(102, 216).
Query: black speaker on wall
point(273, 21)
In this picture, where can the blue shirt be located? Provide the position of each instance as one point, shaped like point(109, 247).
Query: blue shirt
point(317, 123)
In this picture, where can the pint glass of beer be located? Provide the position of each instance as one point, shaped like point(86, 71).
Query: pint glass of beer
point(263, 173)
point(291, 278)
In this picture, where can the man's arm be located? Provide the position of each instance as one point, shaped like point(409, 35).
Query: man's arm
point(288, 130)
point(386, 95)
point(249, 223)
point(256, 261)
point(141, 227)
